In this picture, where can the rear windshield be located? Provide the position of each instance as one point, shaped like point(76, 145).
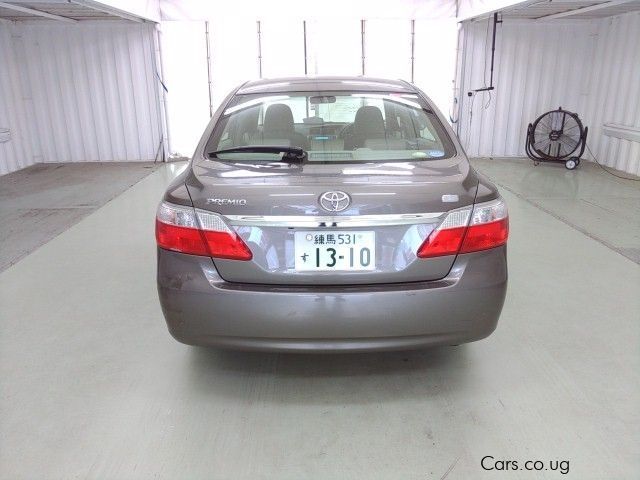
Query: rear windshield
point(333, 127)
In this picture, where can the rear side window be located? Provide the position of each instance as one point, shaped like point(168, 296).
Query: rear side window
point(334, 127)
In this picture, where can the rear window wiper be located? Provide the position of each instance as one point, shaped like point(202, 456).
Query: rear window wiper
point(289, 154)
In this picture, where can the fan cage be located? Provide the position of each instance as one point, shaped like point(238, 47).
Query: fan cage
point(556, 136)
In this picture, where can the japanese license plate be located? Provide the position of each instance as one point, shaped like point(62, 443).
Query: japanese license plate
point(335, 250)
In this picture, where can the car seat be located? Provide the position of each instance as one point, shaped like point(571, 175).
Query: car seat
point(278, 128)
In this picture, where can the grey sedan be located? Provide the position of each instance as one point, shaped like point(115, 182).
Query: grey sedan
point(330, 214)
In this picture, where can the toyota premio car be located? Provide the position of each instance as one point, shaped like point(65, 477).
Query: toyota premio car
point(330, 214)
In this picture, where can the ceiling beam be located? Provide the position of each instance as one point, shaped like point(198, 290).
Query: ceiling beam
point(38, 13)
point(579, 11)
point(94, 5)
point(508, 9)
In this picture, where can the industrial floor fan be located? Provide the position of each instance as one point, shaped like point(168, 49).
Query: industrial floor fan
point(556, 136)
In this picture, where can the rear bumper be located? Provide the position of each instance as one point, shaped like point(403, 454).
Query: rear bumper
point(202, 309)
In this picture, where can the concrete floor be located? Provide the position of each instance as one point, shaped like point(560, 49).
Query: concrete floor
point(42, 201)
point(93, 386)
point(597, 204)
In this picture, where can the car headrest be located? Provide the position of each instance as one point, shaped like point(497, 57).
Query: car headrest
point(278, 119)
point(369, 122)
point(248, 120)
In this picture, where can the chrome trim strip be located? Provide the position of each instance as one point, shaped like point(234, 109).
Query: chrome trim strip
point(316, 221)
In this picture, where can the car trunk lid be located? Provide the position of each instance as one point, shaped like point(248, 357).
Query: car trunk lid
point(276, 210)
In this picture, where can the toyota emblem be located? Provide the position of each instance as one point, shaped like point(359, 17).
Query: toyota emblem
point(335, 201)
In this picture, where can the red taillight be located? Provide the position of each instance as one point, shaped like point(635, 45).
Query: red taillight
point(468, 230)
point(227, 245)
point(485, 236)
point(442, 242)
point(183, 229)
point(180, 239)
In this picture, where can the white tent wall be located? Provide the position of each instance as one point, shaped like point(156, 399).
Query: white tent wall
point(184, 63)
point(334, 47)
point(283, 53)
point(84, 92)
point(591, 67)
point(233, 54)
point(435, 60)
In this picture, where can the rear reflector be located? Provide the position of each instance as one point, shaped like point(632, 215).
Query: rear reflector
point(196, 232)
point(467, 230)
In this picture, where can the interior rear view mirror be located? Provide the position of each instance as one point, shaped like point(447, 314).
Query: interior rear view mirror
point(318, 99)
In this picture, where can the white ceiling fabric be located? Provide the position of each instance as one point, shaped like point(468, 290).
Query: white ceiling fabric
point(295, 9)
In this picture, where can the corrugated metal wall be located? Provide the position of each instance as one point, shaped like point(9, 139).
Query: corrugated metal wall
point(589, 67)
point(16, 150)
point(615, 90)
point(85, 92)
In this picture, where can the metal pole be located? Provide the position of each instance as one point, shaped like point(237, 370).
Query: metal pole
point(454, 111)
point(464, 31)
point(206, 34)
point(362, 42)
point(163, 118)
point(493, 44)
point(304, 32)
point(496, 19)
point(413, 47)
point(259, 50)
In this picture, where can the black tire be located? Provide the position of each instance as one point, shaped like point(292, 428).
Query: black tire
point(570, 164)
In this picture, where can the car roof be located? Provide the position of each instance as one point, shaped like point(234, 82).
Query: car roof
point(325, 83)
